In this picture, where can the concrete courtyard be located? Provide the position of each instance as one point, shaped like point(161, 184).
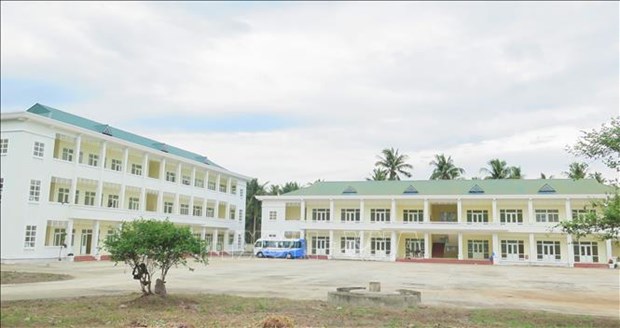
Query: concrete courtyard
point(566, 290)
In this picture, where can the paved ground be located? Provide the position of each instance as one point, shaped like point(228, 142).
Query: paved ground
point(578, 291)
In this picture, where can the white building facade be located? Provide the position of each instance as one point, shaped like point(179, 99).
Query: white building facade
point(68, 182)
point(456, 221)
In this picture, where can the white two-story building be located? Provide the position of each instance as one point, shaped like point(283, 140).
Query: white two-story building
point(67, 182)
point(476, 221)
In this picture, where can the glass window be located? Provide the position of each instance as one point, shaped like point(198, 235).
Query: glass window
point(31, 235)
point(197, 210)
point(168, 207)
point(93, 159)
point(113, 201)
point(547, 215)
point(63, 195)
point(134, 203)
point(184, 209)
point(199, 183)
point(273, 215)
point(510, 216)
point(350, 215)
point(379, 215)
point(39, 149)
point(413, 215)
point(59, 236)
point(171, 176)
point(89, 198)
point(186, 180)
point(67, 154)
point(136, 169)
point(477, 216)
point(4, 146)
point(117, 165)
point(320, 214)
point(210, 212)
point(35, 190)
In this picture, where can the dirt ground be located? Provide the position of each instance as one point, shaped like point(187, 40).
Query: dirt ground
point(564, 290)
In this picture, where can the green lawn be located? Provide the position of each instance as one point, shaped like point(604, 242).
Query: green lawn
point(14, 277)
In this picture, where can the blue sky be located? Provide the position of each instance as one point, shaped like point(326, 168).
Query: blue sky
point(301, 90)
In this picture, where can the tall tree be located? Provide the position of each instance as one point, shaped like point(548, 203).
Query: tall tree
point(544, 176)
point(378, 175)
point(577, 170)
point(515, 173)
point(445, 168)
point(394, 164)
point(289, 186)
point(253, 209)
point(597, 176)
point(603, 144)
point(497, 169)
point(274, 190)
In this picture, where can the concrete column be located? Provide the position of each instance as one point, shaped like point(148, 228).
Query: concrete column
point(73, 190)
point(160, 202)
point(179, 173)
point(121, 201)
point(496, 249)
point(215, 239)
point(78, 148)
point(99, 194)
point(125, 160)
point(216, 210)
point(570, 250)
point(191, 204)
point(143, 199)
point(177, 204)
point(567, 208)
point(162, 169)
point(427, 245)
point(302, 234)
point(102, 153)
point(235, 241)
point(608, 251)
point(393, 211)
point(427, 212)
point(362, 219)
point(95, 241)
point(331, 210)
point(229, 186)
point(533, 254)
point(459, 211)
point(217, 182)
point(203, 233)
point(145, 165)
point(530, 211)
point(362, 244)
point(393, 246)
point(494, 215)
point(193, 178)
point(227, 214)
point(302, 210)
point(460, 246)
point(204, 206)
point(69, 238)
point(331, 243)
point(207, 179)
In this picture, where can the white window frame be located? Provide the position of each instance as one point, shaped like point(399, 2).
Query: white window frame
point(171, 176)
point(197, 210)
point(211, 185)
point(379, 215)
point(200, 183)
point(273, 215)
point(93, 160)
point(168, 207)
point(240, 215)
point(320, 214)
point(30, 237)
point(413, 215)
point(184, 209)
point(67, 154)
point(344, 241)
point(186, 180)
point(134, 203)
point(35, 190)
point(116, 165)
point(38, 149)
point(136, 169)
point(350, 215)
point(62, 195)
point(477, 216)
point(210, 213)
point(4, 146)
point(59, 236)
point(89, 198)
point(231, 213)
point(511, 216)
point(547, 215)
point(112, 201)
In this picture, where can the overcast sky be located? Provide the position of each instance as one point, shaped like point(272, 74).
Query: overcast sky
point(305, 91)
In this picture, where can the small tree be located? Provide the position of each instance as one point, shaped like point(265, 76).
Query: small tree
point(152, 247)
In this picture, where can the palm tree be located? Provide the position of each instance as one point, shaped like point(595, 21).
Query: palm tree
point(577, 170)
point(289, 186)
point(515, 173)
point(597, 176)
point(498, 169)
point(253, 207)
point(445, 168)
point(394, 164)
point(274, 190)
point(378, 175)
point(544, 176)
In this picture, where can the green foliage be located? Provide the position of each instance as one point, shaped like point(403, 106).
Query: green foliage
point(498, 169)
point(603, 144)
point(394, 164)
point(445, 168)
point(378, 175)
point(577, 171)
point(253, 209)
point(515, 173)
point(603, 221)
point(155, 246)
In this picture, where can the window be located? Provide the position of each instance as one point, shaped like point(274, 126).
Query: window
point(273, 215)
point(35, 190)
point(231, 239)
point(89, 198)
point(109, 235)
point(548, 250)
point(199, 183)
point(197, 210)
point(232, 213)
point(186, 180)
point(320, 245)
point(547, 216)
point(1, 187)
point(478, 249)
point(134, 203)
point(350, 215)
point(233, 189)
point(59, 236)
point(93, 159)
point(477, 216)
point(510, 216)
point(80, 157)
point(414, 247)
point(586, 251)
point(241, 193)
point(184, 209)
point(113, 201)
point(512, 250)
point(320, 214)
point(39, 149)
point(168, 207)
point(76, 200)
point(581, 213)
point(136, 169)
point(4, 146)
point(222, 188)
point(171, 176)
point(240, 215)
point(380, 246)
point(379, 215)
point(31, 235)
point(117, 165)
point(413, 215)
point(63, 195)
point(349, 245)
point(67, 154)
point(210, 212)
point(211, 185)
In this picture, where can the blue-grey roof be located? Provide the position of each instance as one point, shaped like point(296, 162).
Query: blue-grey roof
point(106, 129)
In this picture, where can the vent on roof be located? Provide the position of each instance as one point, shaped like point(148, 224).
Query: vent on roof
point(546, 188)
point(107, 130)
point(164, 148)
point(349, 191)
point(476, 190)
point(410, 190)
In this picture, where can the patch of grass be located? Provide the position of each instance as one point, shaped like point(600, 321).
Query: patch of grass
point(14, 277)
point(205, 310)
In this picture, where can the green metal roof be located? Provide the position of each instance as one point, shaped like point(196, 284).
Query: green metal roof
point(106, 129)
point(455, 187)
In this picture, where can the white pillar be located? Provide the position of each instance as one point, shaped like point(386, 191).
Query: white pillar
point(331, 243)
point(191, 205)
point(567, 208)
point(193, 178)
point(207, 179)
point(121, 202)
point(95, 241)
point(179, 173)
point(427, 213)
point(331, 210)
point(393, 246)
point(460, 246)
point(496, 249)
point(217, 182)
point(362, 244)
point(608, 251)
point(459, 211)
point(145, 165)
point(235, 241)
point(530, 211)
point(143, 199)
point(205, 203)
point(78, 148)
point(229, 185)
point(533, 254)
point(177, 204)
point(160, 201)
point(102, 154)
point(494, 215)
point(99, 194)
point(69, 238)
point(215, 240)
point(227, 214)
point(393, 211)
point(125, 160)
point(362, 210)
point(203, 233)
point(162, 169)
point(570, 250)
point(73, 191)
point(302, 210)
point(216, 210)
point(427, 245)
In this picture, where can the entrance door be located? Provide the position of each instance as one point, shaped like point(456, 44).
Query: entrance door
point(87, 238)
point(477, 250)
point(380, 247)
point(414, 247)
point(321, 245)
point(438, 249)
point(350, 247)
point(512, 251)
point(585, 253)
point(548, 252)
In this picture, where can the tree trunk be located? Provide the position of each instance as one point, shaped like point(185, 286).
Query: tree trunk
point(160, 288)
point(253, 229)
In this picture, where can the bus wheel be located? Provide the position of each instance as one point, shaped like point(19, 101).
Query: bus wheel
point(260, 254)
point(289, 256)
